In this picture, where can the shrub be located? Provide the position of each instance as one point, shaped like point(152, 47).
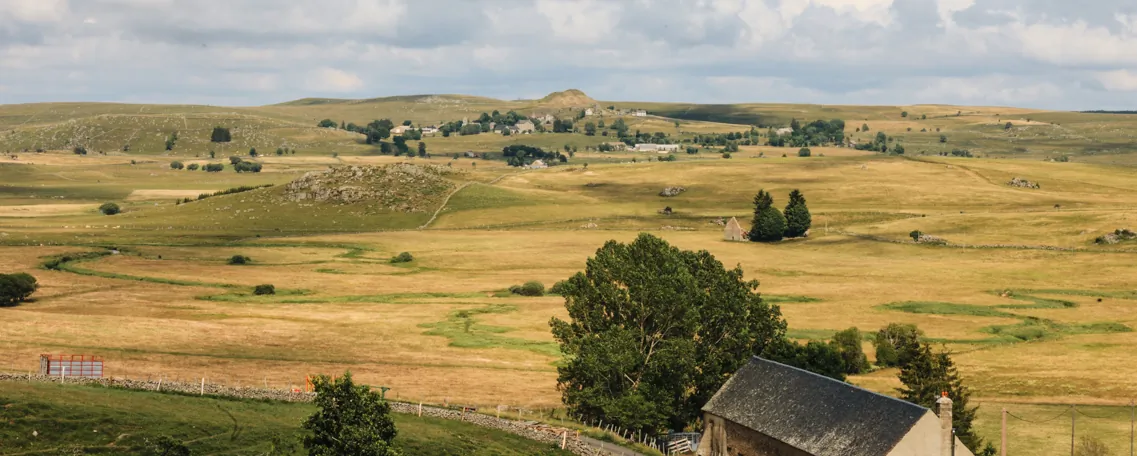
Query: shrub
point(109, 209)
point(16, 288)
point(234, 160)
point(247, 167)
point(904, 114)
point(239, 260)
point(404, 257)
point(192, 167)
point(177, 165)
point(557, 288)
point(264, 289)
point(214, 167)
point(726, 155)
point(804, 152)
point(80, 150)
point(915, 235)
point(530, 288)
point(1091, 446)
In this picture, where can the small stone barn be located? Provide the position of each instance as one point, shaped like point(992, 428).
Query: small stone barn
point(733, 231)
point(770, 409)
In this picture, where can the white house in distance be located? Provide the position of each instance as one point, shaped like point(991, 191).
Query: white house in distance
point(525, 127)
point(429, 130)
point(639, 113)
point(400, 130)
point(589, 111)
point(661, 148)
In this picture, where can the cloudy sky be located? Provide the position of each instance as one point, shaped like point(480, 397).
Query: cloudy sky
point(1059, 54)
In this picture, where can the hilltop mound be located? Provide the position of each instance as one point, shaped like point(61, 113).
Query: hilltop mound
point(571, 98)
point(399, 187)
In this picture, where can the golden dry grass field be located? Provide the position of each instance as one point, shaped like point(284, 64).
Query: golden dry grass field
point(1035, 312)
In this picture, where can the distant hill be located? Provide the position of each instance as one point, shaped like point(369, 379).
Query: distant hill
point(571, 98)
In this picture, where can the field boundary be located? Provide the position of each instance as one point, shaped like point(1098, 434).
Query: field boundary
point(553, 435)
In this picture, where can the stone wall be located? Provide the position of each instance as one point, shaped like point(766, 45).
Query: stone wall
point(530, 430)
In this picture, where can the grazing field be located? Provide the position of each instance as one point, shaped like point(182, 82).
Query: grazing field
point(1022, 294)
point(80, 420)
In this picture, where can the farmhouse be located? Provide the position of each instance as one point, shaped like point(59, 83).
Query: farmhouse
point(525, 127)
point(733, 231)
point(538, 164)
point(400, 130)
point(661, 148)
point(770, 409)
point(589, 111)
point(639, 113)
point(617, 145)
point(429, 130)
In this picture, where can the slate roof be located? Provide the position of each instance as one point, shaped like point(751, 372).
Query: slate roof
point(816, 414)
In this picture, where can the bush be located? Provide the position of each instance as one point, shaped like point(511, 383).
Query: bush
point(177, 165)
point(804, 152)
point(915, 235)
point(557, 288)
point(530, 288)
point(234, 160)
point(80, 150)
point(404, 257)
point(109, 209)
point(264, 289)
point(726, 155)
point(239, 260)
point(214, 167)
point(16, 288)
point(192, 167)
point(247, 167)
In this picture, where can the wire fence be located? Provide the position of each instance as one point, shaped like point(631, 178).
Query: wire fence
point(1060, 429)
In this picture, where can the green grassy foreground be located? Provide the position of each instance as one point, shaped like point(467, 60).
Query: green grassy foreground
point(81, 419)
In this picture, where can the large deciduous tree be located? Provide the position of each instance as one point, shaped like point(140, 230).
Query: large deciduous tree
point(768, 225)
point(351, 420)
point(798, 219)
point(654, 331)
point(220, 135)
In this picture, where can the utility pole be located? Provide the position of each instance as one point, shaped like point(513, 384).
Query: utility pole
point(1003, 447)
point(1132, 415)
point(1073, 426)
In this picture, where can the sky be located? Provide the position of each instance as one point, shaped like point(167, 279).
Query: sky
point(1050, 54)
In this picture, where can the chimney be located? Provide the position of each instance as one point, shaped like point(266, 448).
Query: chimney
point(947, 435)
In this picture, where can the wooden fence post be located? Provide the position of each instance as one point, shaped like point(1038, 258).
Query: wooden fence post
point(202, 386)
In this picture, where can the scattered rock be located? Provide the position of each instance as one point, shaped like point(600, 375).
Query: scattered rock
point(398, 187)
point(589, 226)
point(1116, 236)
point(929, 239)
point(672, 191)
point(1018, 182)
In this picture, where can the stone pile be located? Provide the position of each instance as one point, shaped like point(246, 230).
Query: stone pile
point(1116, 236)
point(929, 239)
point(1018, 182)
point(672, 191)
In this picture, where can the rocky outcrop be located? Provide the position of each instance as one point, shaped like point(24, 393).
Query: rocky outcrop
point(1117, 236)
point(400, 187)
point(929, 239)
point(1023, 183)
point(672, 191)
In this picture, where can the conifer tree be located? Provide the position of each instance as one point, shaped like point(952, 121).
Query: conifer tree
point(798, 219)
point(926, 376)
point(768, 225)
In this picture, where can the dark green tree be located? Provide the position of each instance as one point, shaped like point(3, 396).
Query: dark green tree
point(815, 356)
point(926, 376)
point(654, 331)
point(848, 343)
point(798, 218)
point(220, 135)
point(896, 344)
point(421, 149)
point(110, 209)
point(590, 129)
point(351, 420)
point(16, 288)
point(327, 123)
point(177, 165)
point(768, 225)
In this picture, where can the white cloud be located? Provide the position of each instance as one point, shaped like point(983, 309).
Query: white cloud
point(580, 21)
point(35, 10)
point(1076, 44)
point(1120, 80)
point(333, 80)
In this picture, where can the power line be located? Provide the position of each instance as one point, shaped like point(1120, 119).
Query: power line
point(1060, 415)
